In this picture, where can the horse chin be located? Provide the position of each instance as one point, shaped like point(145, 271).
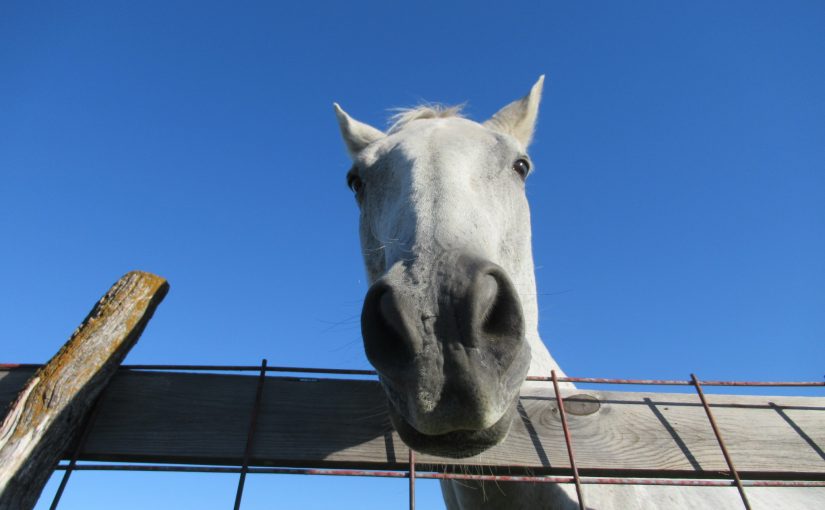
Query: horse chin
point(457, 443)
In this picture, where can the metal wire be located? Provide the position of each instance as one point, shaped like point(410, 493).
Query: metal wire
point(250, 436)
point(568, 440)
point(721, 442)
point(412, 473)
point(251, 368)
point(671, 382)
point(412, 479)
point(81, 442)
point(585, 480)
point(348, 371)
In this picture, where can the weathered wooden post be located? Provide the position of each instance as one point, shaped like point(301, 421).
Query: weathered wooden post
point(44, 419)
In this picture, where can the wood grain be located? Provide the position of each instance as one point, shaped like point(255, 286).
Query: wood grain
point(202, 419)
point(46, 409)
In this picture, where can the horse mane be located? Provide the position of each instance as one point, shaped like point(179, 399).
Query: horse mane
point(404, 116)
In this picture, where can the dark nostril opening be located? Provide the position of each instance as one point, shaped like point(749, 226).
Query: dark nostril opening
point(499, 309)
point(486, 293)
point(385, 328)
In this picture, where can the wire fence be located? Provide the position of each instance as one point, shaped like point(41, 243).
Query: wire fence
point(731, 478)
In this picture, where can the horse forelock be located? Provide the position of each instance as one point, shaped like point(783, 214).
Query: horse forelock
point(404, 116)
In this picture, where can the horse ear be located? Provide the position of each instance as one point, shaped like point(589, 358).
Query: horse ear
point(357, 135)
point(518, 118)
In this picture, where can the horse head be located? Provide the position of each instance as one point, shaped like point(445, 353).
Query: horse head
point(445, 234)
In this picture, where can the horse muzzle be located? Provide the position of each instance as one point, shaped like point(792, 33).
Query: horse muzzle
point(450, 351)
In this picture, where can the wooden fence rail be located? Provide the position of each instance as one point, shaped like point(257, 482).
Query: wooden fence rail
point(195, 418)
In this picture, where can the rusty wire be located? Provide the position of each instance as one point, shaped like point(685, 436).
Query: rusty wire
point(568, 440)
point(250, 436)
point(411, 473)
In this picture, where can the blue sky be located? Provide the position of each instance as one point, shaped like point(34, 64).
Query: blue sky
point(678, 200)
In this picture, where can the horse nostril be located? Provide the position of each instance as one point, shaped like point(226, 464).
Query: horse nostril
point(388, 339)
point(486, 292)
point(498, 310)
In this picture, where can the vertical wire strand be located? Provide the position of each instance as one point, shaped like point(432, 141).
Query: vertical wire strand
point(81, 442)
point(250, 436)
point(568, 440)
point(721, 442)
point(412, 479)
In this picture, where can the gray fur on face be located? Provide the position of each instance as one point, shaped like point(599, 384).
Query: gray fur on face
point(435, 237)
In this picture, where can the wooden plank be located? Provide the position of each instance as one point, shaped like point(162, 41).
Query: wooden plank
point(47, 410)
point(202, 419)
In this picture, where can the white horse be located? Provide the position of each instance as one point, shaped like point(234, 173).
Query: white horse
point(450, 320)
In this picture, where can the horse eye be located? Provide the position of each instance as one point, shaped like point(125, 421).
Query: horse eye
point(354, 183)
point(522, 167)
